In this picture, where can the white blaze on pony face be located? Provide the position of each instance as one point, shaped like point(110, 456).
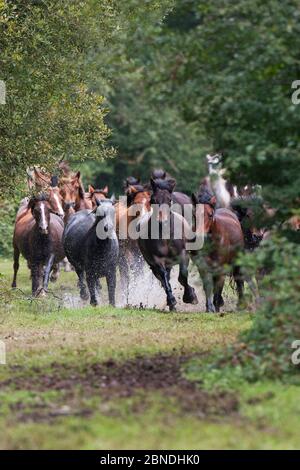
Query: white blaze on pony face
point(44, 224)
point(59, 206)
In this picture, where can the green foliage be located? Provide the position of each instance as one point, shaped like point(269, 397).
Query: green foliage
point(50, 111)
point(148, 129)
point(7, 218)
point(268, 347)
point(234, 68)
point(265, 350)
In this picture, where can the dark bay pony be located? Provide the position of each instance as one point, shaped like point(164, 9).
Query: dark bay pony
point(163, 252)
point(38, 237)
point(223, 241)
point(253, 218)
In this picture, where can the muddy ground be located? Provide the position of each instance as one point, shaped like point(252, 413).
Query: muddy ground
point(74, 386)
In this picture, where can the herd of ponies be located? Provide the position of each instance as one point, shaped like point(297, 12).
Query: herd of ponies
point(58, 226)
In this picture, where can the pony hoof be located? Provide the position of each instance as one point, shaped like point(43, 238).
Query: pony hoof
point(94, 303)
point(40, 293)
point(210, 309)
point(190, 297)
point(172, 305)
point(53, 279)
point(84, 295)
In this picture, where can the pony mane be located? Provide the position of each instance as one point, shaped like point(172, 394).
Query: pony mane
point(167, 184)
point(204, 196)
point(158, 174)
point(131, 181)
point(41, 197)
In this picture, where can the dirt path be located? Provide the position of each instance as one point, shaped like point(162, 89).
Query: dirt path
point(73, 386)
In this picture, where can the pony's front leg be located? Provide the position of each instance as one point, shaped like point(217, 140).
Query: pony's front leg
point(91, 282)
point(207, 280)
point(82, 287)
point(219, 281)
point(124, 276)
point(47, 272)
point(163, 275)
point(239, 281)
point(36, 279)
point(189, 295)
point(16, 265)
point(111, 286)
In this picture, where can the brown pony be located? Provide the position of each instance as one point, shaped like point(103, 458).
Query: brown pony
point(93, 196)
point(37, 179)
point(38, 237)
point(72, 191)
point(136, 206)
point(223, 241)
point(55, 200)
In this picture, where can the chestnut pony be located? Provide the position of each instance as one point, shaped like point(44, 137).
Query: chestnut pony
point(93, 196)
point(38, 237)
point(223, 241)
point(136, 206)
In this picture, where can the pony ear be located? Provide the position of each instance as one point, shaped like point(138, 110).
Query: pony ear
point(159, 174)
point(171, 184)
point(113, 199)
point(91, 189)
point(77, 175)
point(105, 190)
point(54, 181)
point(31, 203)
point(194, 199)
point(153, 183)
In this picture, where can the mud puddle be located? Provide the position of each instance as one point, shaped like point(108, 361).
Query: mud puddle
point(146, 292)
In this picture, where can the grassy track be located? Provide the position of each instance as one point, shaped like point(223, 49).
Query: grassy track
point(109, 378)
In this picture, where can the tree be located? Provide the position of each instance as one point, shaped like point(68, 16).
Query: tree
point(50, 113)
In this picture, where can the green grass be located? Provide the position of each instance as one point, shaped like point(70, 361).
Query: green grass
point(40, 334)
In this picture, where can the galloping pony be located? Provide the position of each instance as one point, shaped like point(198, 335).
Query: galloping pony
point(223, 241)
point(178, 197)
point(91, 255)
point(93, 196)
point(162, 252)
point(38, 237)
point(128, 213)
